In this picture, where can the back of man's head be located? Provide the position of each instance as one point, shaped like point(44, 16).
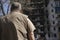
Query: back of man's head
point(16, 6)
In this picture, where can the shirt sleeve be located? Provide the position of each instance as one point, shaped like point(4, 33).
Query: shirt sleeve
point(30, 25)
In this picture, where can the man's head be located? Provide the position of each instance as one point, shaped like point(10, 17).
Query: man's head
point(16, 6)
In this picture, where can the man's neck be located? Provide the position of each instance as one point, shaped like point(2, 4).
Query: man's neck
point(16, 11)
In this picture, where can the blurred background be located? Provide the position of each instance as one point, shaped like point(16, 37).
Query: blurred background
point(43, 13)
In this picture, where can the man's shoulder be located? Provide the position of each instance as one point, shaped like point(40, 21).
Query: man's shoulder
point(24, 15)
point(15, 15)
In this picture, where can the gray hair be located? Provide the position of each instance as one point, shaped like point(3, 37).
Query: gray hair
point(16, 6)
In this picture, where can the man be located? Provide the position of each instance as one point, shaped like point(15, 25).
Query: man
point(16, 25)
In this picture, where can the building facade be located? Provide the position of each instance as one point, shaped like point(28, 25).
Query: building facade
point(57, 11)
point(52, 26)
